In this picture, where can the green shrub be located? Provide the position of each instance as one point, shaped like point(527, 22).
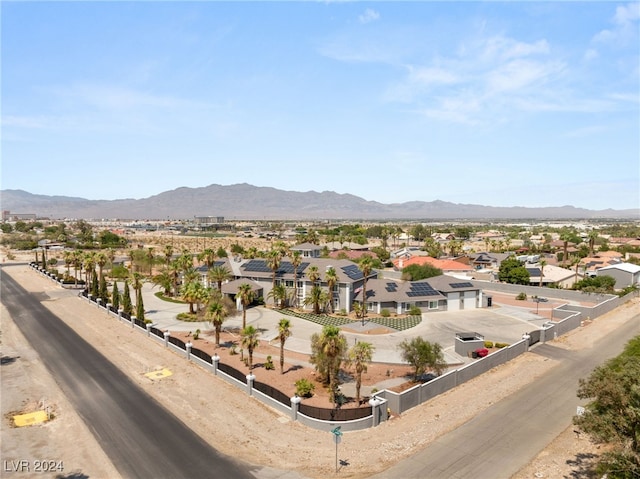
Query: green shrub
point(188, 317)
point(385, 313)
point(488, 344)
point(415, 311)
point(196, 335)
point(269, 363)
point(501, 345)
point(521, 296)
point(304, 388)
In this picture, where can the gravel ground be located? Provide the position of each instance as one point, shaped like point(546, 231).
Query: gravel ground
point(243, 427)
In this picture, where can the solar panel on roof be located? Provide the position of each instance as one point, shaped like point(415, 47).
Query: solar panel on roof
point(421, 289)
point(462, 285)
point(257, 265)
point(353, 272)
point(391, 287)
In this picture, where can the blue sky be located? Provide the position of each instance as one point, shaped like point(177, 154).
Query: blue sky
point(502, 104)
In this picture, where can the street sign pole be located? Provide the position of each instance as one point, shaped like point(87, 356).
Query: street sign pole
point(336, 438)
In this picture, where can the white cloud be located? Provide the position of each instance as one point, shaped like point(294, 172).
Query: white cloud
point(118, 98)
point(368, 16)
point(625, 28)
point(520, 74)
point(590, 54)
point(432, 76)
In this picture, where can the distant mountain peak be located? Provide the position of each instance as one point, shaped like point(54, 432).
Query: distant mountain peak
point(243, 201)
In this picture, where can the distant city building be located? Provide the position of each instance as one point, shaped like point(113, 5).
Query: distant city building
point(208, 220)
point(8, 216)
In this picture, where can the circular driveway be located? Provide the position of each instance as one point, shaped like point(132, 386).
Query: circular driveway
point(500, 323)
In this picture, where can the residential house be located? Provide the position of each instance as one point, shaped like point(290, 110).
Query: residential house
point(350, 278)
point(448, 266)
point(625, 274)
point(439, 293)
point(308, 250)
point(552, 276)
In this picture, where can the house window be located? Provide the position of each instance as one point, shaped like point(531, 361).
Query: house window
point(288, 283)
point(433, 305)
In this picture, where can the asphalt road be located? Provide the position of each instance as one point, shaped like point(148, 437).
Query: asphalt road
point(142, 438)
point(505, 437)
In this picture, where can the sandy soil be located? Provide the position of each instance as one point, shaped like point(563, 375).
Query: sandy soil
point(244, 428)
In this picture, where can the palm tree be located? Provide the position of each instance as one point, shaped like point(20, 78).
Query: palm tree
point(360, 356)
point(191, 293)
point(565, 238)
point(296, 261)
point(219, 274)
point(101, 261)
point(132, 256)
point(246, 298)
point(593, 236)
point(150, 257)
point(317, 297)
point(328, 350)
point(208, 257)
point(366, 265)
point(284, 331)
point(250, 341)
point(313, 274)
point(89, 263)
point(543, 263)
point(77, 264)
point(68, 260)
point(576, 262)
point(164, 279)
point(136, 284)
point(111, 256)
point(216, 313)
point(279, 294)
point(168, 253)
point(274, 257)
point(331, 277)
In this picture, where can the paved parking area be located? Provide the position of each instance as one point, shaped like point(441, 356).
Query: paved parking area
point(500, 323)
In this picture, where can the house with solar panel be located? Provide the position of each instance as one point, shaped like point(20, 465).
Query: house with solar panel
point(349, 276)
point(440, 293)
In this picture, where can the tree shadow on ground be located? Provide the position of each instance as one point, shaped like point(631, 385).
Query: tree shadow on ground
point(584, 466)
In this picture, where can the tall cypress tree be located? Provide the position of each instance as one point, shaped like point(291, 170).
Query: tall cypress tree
point(126, 299)
point(139, 307)
point(94, 284)
point(104, 292)
point(115, 296)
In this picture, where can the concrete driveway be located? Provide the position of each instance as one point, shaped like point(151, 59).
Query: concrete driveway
point(501, 323)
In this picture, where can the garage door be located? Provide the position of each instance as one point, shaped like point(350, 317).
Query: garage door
point(453, 302)
point(469, 300)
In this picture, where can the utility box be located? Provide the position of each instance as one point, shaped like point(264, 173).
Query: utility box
point(466, 343)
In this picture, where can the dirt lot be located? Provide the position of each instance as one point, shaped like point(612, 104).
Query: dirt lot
point(243, 427)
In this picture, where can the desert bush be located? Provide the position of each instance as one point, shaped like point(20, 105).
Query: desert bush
point(521, 296)
point(269, 363)
point(385, 313)
point(415, 311)
point(488, 344)
point(304, 388)
point(501, 345)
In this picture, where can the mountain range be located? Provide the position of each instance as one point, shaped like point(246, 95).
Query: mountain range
point(248, 202)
